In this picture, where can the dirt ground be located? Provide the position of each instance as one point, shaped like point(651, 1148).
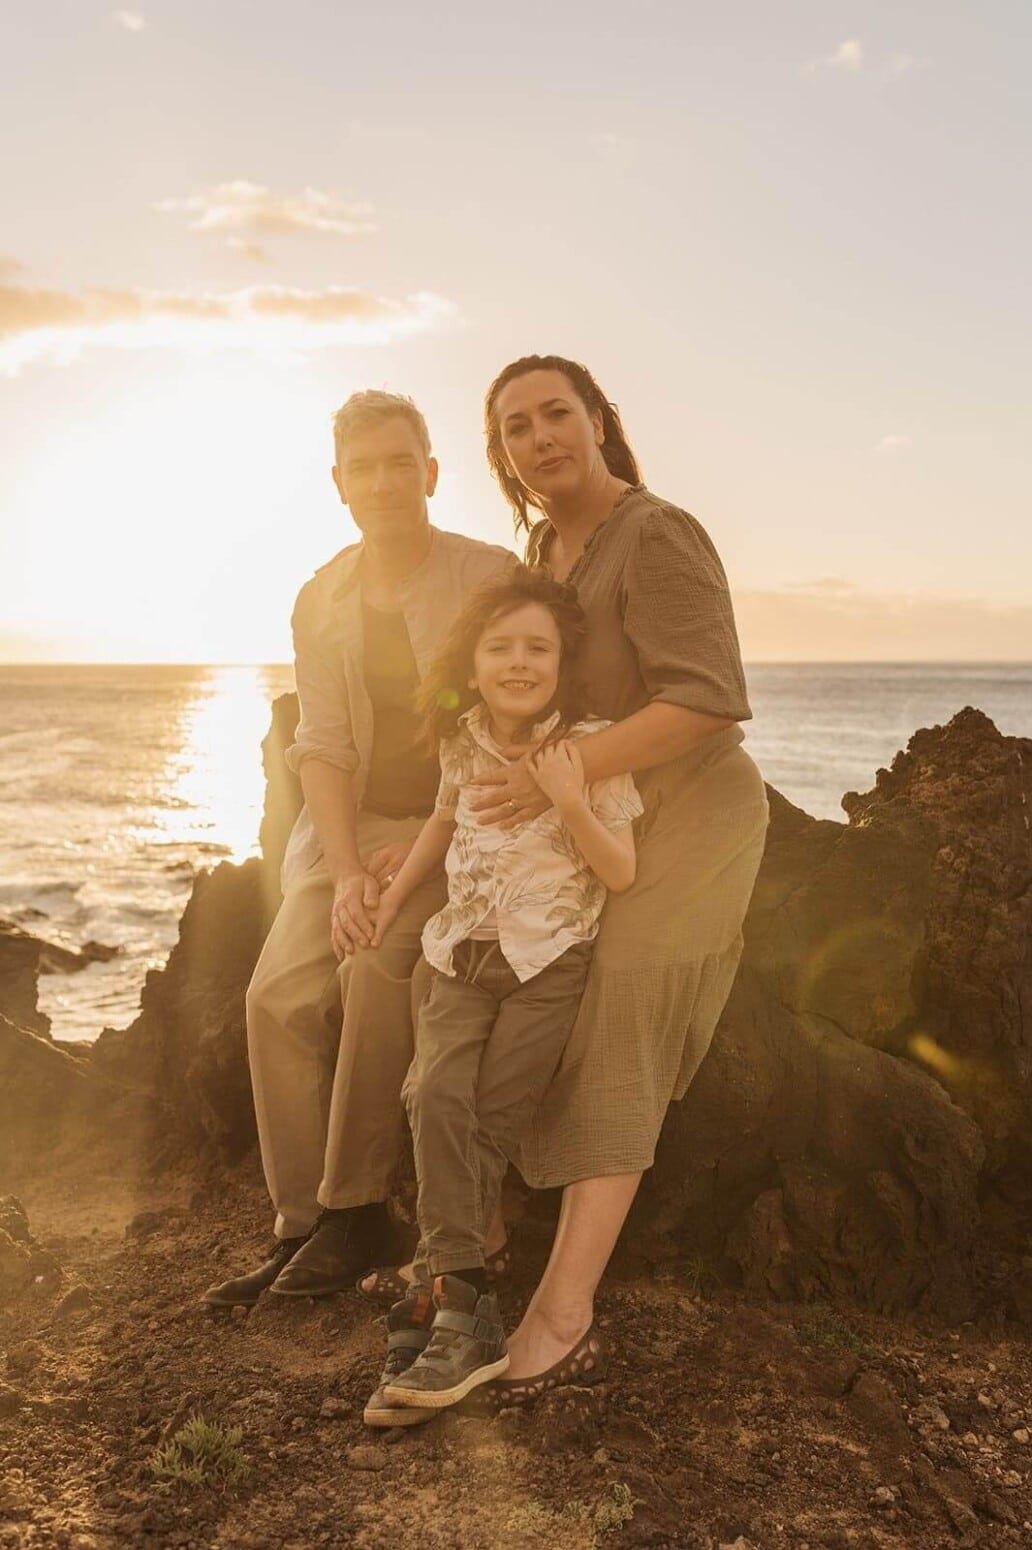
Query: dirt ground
point(723, 1423)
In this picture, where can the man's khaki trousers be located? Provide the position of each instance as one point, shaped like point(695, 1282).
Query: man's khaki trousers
point(327, 1088)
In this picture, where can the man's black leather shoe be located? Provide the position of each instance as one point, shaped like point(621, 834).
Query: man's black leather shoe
point(341, 1245)
point(244, 1291)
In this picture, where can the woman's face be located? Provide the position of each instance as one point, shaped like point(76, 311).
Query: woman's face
point(550, 440)
point(516, 663)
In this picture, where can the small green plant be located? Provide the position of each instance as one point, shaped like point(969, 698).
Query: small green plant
point(615, 1509)
point(822, 1326)
point(699, 1276)
point(532, 1523)
point(201, 1453)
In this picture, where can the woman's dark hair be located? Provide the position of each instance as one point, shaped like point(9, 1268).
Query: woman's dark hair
point(445, 695)
point(619, 458)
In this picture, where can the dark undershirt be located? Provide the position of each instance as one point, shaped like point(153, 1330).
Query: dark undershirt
point(403, 779)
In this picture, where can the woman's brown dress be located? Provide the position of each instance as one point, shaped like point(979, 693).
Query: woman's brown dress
point(661, 627)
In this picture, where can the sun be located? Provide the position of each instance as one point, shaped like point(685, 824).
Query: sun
point(177, 524)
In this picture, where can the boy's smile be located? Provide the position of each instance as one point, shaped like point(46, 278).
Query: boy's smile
point(516, 665)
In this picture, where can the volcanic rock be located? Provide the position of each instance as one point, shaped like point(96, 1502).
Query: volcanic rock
point(817, 1166)
point(959, 801)
point(876, 1404)
point(15, 1268)
point(55, 959)
point(25, 1358)
point(367, 1455)
point(42, 1086)
point(873, 1067)
point(20, 967)
point(189, 1043)
point(76, 1300)
point(10, 1399)
point(14, 1219)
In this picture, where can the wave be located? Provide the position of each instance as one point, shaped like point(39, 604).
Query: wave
point(205, 847)
point(33, 894)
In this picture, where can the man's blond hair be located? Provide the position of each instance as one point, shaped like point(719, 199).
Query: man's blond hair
point(372, 407)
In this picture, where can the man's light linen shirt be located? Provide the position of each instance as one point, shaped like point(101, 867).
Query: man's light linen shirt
point(336, 723)
point(532, 880)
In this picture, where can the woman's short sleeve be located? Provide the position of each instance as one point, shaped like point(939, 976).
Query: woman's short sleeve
point(678, 615)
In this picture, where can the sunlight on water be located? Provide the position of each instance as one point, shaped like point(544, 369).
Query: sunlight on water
point(216, 781)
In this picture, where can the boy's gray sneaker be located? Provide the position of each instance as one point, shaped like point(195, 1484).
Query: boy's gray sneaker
point(408, 1329)
point(466, 1348)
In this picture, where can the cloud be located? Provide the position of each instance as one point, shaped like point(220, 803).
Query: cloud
point(249, 211)
point(901, 63)
point(818, 622)
point(616, 148)
point(132, 21)
point(833, 585)
point(57, 325)
point(848, 56)
point(894, 439)
point(851, 56)
point(9, 267)
point(252, 250)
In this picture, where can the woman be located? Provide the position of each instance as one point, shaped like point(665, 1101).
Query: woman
point(663, 664)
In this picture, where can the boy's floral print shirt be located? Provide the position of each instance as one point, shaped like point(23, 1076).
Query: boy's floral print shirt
point(544, 895)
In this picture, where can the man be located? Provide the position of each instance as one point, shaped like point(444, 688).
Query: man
point(327, 1091)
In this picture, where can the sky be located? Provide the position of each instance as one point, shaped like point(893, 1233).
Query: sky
point(793, 244)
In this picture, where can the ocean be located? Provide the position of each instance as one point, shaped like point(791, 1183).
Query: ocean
point(118, 784)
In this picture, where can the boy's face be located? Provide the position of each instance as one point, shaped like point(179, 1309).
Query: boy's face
point(516, 663)
point(385, 477)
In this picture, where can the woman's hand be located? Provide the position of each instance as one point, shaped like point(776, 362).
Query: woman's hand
point(511, 795)
point(386, 915)
point(385, 864)
point(355, 894)
point(559, 770)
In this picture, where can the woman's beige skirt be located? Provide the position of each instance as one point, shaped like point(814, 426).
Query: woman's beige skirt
point(665, 960)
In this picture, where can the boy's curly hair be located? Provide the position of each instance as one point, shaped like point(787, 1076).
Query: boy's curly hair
point(445, 695)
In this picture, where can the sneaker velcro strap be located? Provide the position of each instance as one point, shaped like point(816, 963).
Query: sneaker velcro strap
point(466, 1324)
point(462, 1323)
point(407, 1339)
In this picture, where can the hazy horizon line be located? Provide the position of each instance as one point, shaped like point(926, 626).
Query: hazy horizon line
point(748, 662)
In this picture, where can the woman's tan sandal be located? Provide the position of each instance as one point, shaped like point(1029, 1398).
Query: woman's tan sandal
point(390, 1286)
point(584, 1364)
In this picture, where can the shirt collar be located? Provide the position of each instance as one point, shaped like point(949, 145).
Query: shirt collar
point(543, 533)
point(351, 571)
point(476, 719)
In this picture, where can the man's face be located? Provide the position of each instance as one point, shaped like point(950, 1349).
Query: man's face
point(384, 478)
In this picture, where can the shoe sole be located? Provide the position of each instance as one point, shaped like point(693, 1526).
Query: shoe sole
point(401, 1415)
point(429, 1399)
point(345, 1284)
point(228, 1302)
